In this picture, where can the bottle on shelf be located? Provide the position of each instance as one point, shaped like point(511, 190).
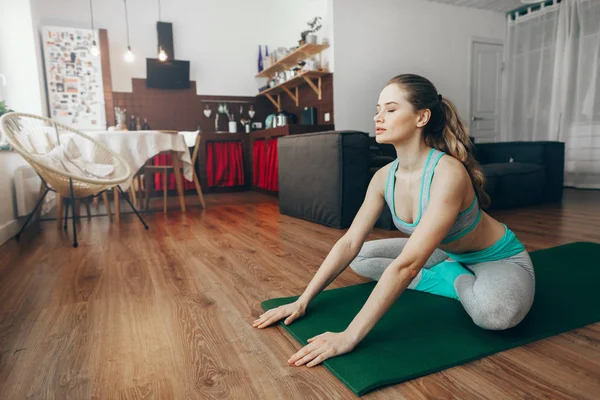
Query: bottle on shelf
point(267, 60)
point(131, 123)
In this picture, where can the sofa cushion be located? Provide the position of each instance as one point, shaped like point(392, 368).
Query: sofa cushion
point(380, 161)
point(514, 168)
point(504, 152)
point(514, 184)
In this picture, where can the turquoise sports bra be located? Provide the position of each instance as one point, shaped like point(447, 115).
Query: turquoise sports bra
point(466, 219)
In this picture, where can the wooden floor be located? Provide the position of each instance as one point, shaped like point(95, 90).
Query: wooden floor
point(167, 313)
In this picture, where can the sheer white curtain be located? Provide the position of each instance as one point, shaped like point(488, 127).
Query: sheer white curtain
point(552, 87)
point(576, 99)
point(530, 55)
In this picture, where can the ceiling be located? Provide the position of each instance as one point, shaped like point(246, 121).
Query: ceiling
point(494, 5)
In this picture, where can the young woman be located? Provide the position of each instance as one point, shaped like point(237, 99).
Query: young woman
point(434, 190)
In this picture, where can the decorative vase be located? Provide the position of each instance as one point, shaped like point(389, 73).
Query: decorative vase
point(232, 127)
point(260, 59)
point(207, 112)
point(121, 117)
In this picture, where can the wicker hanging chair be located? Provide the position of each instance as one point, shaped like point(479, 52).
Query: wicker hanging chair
point(35, 137)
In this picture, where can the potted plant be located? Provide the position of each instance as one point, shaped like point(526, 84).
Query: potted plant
point(303, 35)
point(315, 25)
point(4, 110)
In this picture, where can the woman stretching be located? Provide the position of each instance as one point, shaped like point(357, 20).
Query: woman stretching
point(434, 190)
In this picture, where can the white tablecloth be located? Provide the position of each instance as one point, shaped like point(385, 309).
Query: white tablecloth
point(190, 137)
point(137, 147)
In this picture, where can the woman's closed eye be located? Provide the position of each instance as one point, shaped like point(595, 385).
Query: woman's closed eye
point(390, 111)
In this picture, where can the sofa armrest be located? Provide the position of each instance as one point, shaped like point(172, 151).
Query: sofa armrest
point(378, 149)
point(554, 160)
point(323, 176)
point(550, 154)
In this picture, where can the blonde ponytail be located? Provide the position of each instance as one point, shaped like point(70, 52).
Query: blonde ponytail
point(456, 142)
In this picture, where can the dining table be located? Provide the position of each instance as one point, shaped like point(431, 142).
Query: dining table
point(138, 147)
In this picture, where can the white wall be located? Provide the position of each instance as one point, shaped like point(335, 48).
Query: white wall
point(22, 93)
point(378, 39)
point(327, 57)
point(220, 38)
point(9, 225)
point(18, 61)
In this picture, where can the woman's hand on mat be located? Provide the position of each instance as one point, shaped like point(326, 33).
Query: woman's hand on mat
point(292, 311)
point(322, 347)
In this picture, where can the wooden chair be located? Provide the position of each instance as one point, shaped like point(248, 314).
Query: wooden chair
point(61, 202)
point(177, 169)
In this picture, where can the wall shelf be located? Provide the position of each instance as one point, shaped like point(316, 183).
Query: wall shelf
point(292, 59)
point(300, 79)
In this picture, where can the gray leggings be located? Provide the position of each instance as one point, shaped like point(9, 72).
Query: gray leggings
point(496, 294)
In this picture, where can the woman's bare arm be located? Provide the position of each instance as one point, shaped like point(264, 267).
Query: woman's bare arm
point(348, 246)
point(447, 192)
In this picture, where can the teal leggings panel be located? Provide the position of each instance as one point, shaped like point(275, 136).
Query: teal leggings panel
point(440, 278)
point(508, 246)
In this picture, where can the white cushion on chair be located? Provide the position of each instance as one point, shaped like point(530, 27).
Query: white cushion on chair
point(67, 157)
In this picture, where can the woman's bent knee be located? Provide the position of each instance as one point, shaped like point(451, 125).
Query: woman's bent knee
point(370, 267)
point(358, 265)
point(499, 316)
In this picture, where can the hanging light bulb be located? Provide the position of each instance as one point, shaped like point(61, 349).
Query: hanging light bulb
point(95, 51)
point(162, 54)
point(129, 57)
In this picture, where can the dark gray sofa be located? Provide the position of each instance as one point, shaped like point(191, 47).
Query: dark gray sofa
point(323, 176)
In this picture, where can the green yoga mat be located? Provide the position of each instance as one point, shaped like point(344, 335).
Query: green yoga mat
point(423, 333)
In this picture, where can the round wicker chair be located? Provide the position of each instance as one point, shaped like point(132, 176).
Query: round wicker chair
point(34, 137)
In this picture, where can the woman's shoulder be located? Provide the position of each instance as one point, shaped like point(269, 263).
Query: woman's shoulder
point(450, 168)
point(449, 161)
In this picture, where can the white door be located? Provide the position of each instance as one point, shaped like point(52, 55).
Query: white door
point(486, 69)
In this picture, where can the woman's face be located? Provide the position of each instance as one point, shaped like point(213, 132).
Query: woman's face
point(396, 120)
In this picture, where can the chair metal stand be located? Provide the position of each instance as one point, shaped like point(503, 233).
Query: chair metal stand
point(75, 244)
point(18, 235)
point(132, 207)
point(71, 201)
